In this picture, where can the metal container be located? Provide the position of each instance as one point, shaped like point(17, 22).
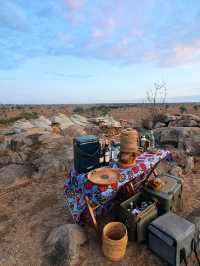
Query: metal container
point(169, 197)
point(137, 224)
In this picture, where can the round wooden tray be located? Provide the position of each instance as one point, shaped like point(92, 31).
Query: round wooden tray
point(104, 176)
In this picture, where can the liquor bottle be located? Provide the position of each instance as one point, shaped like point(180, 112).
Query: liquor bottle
point(142, 141)
point(101, 158)
point(115, 149)
point(106, 154)
point(152, 139)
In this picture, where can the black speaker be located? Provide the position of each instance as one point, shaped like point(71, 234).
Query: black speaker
point(86, 153)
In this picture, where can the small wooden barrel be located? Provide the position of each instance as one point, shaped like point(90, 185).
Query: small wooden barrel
point(114, 241)
point(129, 140)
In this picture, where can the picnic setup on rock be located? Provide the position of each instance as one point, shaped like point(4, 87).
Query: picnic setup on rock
point(118, 181)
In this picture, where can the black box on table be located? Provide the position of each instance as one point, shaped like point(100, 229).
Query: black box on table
point(86, 153)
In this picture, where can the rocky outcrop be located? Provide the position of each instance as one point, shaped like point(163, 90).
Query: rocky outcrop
point(63, 121)
point(62, 247)
point(22, 125)
point(159, 125)
point(185, 120)
point(185, 138)
point(42, 123)
point(148, 124)
point(79, 120)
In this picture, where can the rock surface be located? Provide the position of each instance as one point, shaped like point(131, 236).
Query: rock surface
point(148, 124)
point(63, 245)
point(186, 120)
point(42, 122)
point(63, 120)
point(185, 138)
point(22, 125)
point(159, 125)
point(79, 120)
point(11, 173)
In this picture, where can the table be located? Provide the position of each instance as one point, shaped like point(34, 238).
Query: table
point(77, 187)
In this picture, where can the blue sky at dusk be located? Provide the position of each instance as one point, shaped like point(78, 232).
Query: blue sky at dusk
point(78, 51)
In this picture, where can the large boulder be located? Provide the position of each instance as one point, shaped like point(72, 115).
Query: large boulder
point(159, 125)
point(22, 125)
point(42, 123)
point(74, 131)
point(148, 123)
point(63, 121)
point(51, 157)
point(26, 138)
point(184, 138)
point(168, 136)
point(79, 120)
point(4, 143)
point(168, 118)
point(108, 121)
point(62, 247)
point(186, 120)
point(192, 143)
point(48, 138)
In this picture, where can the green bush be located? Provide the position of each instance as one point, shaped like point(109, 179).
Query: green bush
point(23, 115)
point(196, 107)
point(28, 115)
point(183, 109)
point(78, 110)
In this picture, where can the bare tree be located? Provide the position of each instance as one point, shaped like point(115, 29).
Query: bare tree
point(156, 99)
point(156, 103)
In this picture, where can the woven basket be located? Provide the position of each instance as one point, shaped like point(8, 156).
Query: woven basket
point(129, 141)
point(114, 241)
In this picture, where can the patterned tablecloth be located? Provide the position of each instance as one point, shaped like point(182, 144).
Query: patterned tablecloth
point(77, 186)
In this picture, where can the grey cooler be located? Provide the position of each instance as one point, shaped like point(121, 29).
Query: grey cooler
point(170, 237)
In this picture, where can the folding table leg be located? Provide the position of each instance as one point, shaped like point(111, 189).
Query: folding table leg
point(155, 173)
point(91, 212)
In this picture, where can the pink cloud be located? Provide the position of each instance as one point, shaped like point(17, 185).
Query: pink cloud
point(102, 32)
point(188, 51)
point(185, 53)
point(74, 4)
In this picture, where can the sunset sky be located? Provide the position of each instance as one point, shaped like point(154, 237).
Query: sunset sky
point(86, 51)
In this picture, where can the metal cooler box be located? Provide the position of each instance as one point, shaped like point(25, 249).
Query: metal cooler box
point(86, 153)
point(170, 237)
point(169, 198)
point(137, 224)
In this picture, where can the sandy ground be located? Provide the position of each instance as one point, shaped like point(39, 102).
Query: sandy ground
point(28, 214)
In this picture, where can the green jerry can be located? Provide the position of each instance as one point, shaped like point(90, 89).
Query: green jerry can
point(137, 223)
point(169, 197)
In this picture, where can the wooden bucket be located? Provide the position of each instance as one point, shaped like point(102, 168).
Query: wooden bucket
point(114, 241)
point(129, 141)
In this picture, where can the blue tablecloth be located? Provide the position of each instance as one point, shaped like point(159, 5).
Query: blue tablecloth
point(77, 186)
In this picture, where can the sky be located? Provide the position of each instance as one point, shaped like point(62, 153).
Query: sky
point(93, 51)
